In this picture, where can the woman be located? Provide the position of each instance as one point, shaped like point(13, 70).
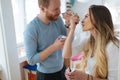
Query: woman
point(100, 51)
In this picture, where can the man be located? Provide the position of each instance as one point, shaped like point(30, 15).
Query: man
point(42, 43)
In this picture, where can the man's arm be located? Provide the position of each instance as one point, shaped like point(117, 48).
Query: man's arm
point(58, 44)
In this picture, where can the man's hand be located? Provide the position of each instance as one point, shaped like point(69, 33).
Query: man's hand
point(67, 16)
point(59, 42)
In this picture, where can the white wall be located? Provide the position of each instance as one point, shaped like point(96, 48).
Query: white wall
point(8, 50)
point(82, 6)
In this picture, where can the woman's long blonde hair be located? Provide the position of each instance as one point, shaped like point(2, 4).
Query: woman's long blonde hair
point(105, 33)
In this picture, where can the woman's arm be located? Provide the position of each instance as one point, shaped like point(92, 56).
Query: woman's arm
point(67, 49)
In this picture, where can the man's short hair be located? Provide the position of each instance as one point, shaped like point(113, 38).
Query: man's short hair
point(44, 3)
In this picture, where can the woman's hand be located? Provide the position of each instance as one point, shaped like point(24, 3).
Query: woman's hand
point(75, 75)
point(74, 20)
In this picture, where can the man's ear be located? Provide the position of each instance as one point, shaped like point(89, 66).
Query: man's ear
point(43, 8)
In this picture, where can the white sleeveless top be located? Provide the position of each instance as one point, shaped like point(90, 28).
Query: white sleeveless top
point(113, 58)
point(112, 52)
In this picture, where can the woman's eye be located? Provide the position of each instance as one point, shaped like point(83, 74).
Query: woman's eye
point(86, 16)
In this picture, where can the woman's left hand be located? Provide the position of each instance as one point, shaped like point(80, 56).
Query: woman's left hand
point(76, 75)
point(74, 20)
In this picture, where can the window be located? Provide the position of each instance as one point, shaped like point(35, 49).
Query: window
point(24, 11)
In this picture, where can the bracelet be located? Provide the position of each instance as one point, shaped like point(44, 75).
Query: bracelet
point(91, 77)
point(67, 26)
